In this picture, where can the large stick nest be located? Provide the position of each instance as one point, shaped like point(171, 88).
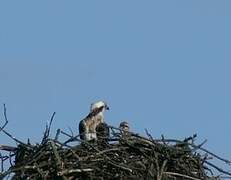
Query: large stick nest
point(119, 156)
point(127, 157)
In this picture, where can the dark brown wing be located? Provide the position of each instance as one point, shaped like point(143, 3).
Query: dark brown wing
point(82, 129)
point(102, 131)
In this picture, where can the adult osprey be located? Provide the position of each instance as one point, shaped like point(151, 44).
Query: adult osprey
point(87, 126)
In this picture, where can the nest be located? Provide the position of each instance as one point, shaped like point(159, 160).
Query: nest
point(121, 156)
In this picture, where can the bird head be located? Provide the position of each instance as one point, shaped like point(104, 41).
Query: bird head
point(99, 104)
point(124, 126)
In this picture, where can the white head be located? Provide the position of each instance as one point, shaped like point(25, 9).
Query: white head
point(99, 104)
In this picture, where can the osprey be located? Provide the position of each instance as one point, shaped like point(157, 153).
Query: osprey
point(87, 126)
point(102, 133)
point(124, 127)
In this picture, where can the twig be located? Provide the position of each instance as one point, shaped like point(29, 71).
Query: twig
point(57, 134)
point(74, 171)
point(2, 167)
point(6, 120)
point(4, 131)
point(150, 136)
point(15, 139)
point(66, 134)
point(7, 148)
point(72, 134)
point(47, 130)
point(217, 168)
point(10, 157)
point(181, 175)
point(160, 174)
point(195, 146)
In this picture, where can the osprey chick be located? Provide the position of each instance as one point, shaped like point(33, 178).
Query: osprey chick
point(87, 126)
point(124, 127)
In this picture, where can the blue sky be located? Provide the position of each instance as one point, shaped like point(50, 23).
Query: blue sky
point(160, 65)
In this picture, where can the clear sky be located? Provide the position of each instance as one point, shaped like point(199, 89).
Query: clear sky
point(160, 65)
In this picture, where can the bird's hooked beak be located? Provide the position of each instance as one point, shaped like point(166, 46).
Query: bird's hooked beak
point(107, 107)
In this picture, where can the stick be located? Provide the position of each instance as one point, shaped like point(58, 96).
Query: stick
point(6, 120)
point(217, 168)
point(48, 128)
point(181, 175)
